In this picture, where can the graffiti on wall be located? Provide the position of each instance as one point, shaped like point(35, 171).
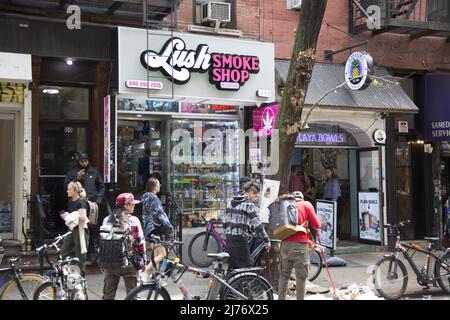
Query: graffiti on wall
point(11, 92)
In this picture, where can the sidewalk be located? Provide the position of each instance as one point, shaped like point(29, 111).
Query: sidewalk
point(359, 268)
point(356, 272)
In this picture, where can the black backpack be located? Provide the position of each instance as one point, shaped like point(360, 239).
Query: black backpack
point(113, 247)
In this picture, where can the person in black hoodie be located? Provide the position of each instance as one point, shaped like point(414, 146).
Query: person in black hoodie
point(92, 182)
point(240, 215)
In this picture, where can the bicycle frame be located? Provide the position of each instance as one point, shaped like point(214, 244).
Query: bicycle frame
point(12, 270)
point(214, 288)
point(404, 248)
point(211, 229)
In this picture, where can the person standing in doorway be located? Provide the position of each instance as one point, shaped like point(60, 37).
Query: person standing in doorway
point(332, 189)
point(296, 180)
point(144, 167)
point(332, 192)
point(92, 182)
point(295, 251)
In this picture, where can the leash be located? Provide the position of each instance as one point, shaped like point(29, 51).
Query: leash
point(326, 266)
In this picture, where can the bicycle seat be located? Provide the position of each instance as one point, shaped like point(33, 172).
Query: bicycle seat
point(219, 256)
point(431, 238)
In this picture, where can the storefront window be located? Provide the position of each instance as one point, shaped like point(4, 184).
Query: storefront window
point(139, 154)
point(207, 108)
point(63, 103)
point(208, 176)
point(7, 169)
point(369, 171)
point(146, 105)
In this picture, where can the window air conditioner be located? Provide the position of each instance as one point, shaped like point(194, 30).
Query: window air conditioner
point(216, 11)
point(294, 4)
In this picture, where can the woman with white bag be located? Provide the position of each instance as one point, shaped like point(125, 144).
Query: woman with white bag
point(77, 220)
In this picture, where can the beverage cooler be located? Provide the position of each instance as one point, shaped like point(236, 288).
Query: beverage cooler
point(208, 177)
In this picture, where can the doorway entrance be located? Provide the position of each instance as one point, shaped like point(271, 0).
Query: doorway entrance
point(138, 154)
point(63, 131)
point(7, 174)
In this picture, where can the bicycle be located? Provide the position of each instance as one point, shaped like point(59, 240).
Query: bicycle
point(244, 283)
point(21, 286)
point(201, 245)
point(393, 270)
point(64, 281)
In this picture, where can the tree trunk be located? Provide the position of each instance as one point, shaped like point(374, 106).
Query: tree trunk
point(303, 56)
point(289, 117)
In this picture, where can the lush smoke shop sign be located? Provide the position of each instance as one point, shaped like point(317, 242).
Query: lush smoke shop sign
point(358, 69)
point(177, 62)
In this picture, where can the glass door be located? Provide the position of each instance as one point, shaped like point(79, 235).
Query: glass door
point(7, 174)
point(59, 144)
point(370, 209)
point(63, 131)
point(138, 154)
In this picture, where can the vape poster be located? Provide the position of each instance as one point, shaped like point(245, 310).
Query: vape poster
point(369, 216)
point(326, 212)
point(269, 194)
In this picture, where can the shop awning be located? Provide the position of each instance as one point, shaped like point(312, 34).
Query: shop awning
point(384, 97)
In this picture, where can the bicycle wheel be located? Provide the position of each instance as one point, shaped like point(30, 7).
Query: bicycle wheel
point(148, 291)
point(45, 291)
point(316, 264)
point(29, 283)
point(251, 285)
point(390, 278)
point(197, 255)
point(442, 272)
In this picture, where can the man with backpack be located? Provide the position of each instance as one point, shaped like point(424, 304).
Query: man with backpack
point(295, 251)
point(240, 215)
point(122, 247)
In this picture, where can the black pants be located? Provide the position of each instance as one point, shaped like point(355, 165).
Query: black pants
point(237, 248)
point(72, 247)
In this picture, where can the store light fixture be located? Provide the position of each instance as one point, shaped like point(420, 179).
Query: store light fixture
point(139, 115)
point(50, 91)
point(69, 61)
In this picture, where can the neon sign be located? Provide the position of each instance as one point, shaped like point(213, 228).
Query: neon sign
point(321, 138)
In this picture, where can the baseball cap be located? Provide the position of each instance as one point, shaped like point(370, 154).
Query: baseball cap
point(125, 198)
point(83, 155)
point(298, 195)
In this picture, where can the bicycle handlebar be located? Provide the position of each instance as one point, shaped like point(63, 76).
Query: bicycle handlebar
point(54, 243)
point(165, 243)
point(398, 226)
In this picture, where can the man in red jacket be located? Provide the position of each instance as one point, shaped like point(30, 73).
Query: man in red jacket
point(294, 250)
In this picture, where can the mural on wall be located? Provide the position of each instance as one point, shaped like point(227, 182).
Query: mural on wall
point(11, 92)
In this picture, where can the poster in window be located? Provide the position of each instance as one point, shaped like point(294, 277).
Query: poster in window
point(269, 194)
point(326, 212)
point(109, 139)
point(369, 216)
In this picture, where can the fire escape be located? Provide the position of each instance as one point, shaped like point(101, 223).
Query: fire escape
point(416, 18)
